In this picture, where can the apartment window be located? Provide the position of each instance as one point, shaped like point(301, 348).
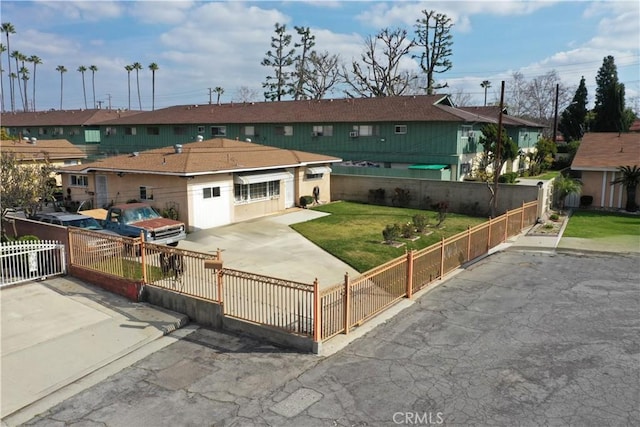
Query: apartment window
point(179, 130)
point(74, 131)
point(256, 192)
point(146, 193)
point(218, 130)
point(249, 131)
point(153, 130)
point(26, 131)
point(200, 129)
point(466, 130)
point(58, 131)
point(322, 130)
point(366, 130)
point(110, 131)
point(79, 181)
point(400, 129)
point(210, 192)
point(42, 131)
point(284, 130)
point(129, 131)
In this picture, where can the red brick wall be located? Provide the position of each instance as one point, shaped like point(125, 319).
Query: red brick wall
point(118, 285)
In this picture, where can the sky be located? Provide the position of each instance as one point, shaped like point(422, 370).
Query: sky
point(202, 45)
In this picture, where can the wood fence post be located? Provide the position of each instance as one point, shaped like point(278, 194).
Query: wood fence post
point(347, 304)
point(522, 216)
point(489, 236)
point(506, 227)
point(468, 243)
point(409, 289)
point(219, 277)
point(317, 322)
point(71, 246)
point(143, 257)
point(441, 258)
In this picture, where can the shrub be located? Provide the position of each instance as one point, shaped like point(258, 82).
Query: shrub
point(408, 230)
point(442, 208)
point(420, 222)
point(554, 217)
point(306, 200)
point(401, 197)
point(170, 212)
point(376, 196)
point(391, 232)
point(28, 238)
point(509, 177)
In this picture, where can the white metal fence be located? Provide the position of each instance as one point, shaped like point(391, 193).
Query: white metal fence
point(30, 260)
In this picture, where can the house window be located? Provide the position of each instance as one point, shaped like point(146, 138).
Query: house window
point(26, 131)
point(284, 130)
point(179, 130)
point(153, 130)
point(110, 131)
point(249, 131)
point(400, 129)
point(218, 130)
point(79, 180)
point(129, 131)
point(58, 131)
point(200, 129)
point(146, 193)
point(466, 131)
point(320, 130)
point(74, 131)
point(366, 130)
point(210, 192)
point(314, 175)
point(256, 192)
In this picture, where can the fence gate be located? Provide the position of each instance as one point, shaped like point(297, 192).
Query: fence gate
point(32, 260)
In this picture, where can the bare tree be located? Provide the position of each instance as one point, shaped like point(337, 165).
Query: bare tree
point(460, 98)
point(435, 41)
point(280, 59)
point(246, 94)
point(307, 41)
point(323, 74)
point(379, 74)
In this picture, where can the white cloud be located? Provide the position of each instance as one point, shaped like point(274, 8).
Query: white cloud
point(79, 10)
point(166, 12)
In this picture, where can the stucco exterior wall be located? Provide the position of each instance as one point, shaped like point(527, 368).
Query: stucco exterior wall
point(598, 185)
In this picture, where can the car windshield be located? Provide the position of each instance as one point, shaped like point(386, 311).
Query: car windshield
point(89, 223)
point(140, 214)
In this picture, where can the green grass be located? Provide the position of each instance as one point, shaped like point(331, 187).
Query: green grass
point(595, 224)
point(546, 176)
point(353, 231)
point(130, 269)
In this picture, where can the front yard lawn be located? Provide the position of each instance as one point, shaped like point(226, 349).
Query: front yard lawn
point(353, 231)
point(598, 224)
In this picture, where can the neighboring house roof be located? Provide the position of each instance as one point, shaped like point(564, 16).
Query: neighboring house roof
point(493, 112)
point(635, 126)
point(63, 117)
point(357, 110)
point(56, 149)
point(205, 157)
point(607, 151)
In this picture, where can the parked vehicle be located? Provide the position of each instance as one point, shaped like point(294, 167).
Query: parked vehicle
point(68, 220)
point(132, 219)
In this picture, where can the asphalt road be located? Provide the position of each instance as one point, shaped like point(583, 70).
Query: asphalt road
point(519, 338)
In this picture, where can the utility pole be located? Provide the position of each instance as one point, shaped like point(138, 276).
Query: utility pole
point(109, 97)
point(210, 92)
point(99, 104)
point(555, 116)
point(496, 165)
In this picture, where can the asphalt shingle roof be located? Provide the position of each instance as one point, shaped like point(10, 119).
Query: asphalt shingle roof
point(63, 117)
point(203, 157)
point(56, 149)
point(607, 151)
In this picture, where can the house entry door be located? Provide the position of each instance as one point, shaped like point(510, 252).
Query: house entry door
point(289, 190)
point(102, 198)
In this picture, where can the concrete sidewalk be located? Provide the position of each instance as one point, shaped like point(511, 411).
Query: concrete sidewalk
point(58, 331)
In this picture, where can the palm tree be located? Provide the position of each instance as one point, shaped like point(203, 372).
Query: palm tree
point(153, 67)
point(137, 66)
point(93, 69)
point(2, 49)
point(35, 60)
point(129, 69)
point(219, 91)
point(16, 56)
point(24, 72)
point(629, 179)
point(8, 28)
point(82, 69)
point(565, 186)
point(61, 69)
point(486, 84)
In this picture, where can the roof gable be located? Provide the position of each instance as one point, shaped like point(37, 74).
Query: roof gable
point(607, 151)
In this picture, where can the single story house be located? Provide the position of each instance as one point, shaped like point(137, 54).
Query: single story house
point(596, 164)
point(208, 183)
point(30, 151)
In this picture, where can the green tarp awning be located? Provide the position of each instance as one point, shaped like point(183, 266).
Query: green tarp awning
point(428, 167)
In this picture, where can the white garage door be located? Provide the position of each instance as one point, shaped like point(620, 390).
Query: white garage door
point(211, 204)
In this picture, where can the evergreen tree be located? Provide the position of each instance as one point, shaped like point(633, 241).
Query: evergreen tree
point(572, 122)
point(609, 106)
point(280, 59)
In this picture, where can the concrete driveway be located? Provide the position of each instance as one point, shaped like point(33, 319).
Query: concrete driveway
point(523, 338)
point(268, 246)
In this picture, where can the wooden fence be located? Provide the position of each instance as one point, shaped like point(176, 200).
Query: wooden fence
point(295, 307)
